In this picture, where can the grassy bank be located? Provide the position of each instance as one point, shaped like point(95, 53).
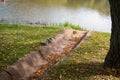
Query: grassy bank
point(17, 40)
point(84, 63)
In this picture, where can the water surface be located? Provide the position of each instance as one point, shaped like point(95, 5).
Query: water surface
point(90, 14)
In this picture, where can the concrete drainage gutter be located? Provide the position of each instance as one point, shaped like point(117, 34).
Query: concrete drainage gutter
point(36, 63)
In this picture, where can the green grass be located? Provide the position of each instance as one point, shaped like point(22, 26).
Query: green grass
point(17, 40)
point(70, 25)
point(84, 63)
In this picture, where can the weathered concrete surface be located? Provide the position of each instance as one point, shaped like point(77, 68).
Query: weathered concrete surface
point(5, 76)
point(65, 39)
point(38, 62)
point(58, 48)
point(24, 67)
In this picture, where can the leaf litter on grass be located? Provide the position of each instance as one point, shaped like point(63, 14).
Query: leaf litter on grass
point(86, 62)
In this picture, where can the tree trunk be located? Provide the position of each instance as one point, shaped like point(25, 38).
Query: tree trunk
point(112, 59)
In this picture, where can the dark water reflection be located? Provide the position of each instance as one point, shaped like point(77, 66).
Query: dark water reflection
point(90, 14)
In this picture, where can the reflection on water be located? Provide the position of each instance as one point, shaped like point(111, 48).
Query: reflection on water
point(90, 14)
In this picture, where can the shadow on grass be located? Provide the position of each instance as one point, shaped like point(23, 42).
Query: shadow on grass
point(79, 71)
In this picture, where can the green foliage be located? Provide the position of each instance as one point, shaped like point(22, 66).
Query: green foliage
point(67, 24)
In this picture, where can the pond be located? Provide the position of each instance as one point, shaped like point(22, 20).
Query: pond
point(90, 14)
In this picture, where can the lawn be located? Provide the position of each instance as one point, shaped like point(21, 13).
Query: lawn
point(85, 62)
point(17, 40)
